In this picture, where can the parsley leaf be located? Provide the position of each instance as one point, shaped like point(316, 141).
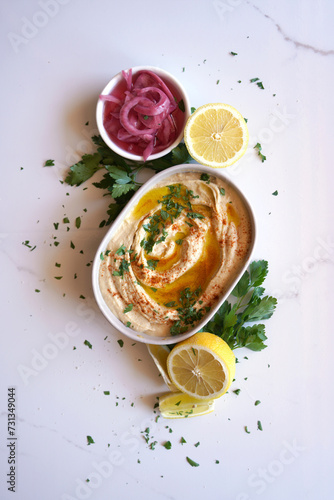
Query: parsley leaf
point(121, 189)
point(82, 171)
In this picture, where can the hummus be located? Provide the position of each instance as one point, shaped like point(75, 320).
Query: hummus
point(175, 254)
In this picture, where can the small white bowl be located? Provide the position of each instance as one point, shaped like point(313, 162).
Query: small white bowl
point(167, 77)
point(144, 337)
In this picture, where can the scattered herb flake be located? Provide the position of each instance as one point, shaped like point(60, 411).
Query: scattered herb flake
point(49, 163)
point(90, 440)
point(128, 308)
point(120, 342)
point(191, 462)
point(275, 193)
point(258, 147)
point(259, 425)
point(88, 344)
point(167, 445)
point(257, 402)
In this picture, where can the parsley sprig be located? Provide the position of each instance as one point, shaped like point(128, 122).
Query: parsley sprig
point(231, 321)
point(119, 179)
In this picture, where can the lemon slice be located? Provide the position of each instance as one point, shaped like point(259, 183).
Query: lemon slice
point(216, 135)
point(202, 366)
point(180, 405)
point(160, 354)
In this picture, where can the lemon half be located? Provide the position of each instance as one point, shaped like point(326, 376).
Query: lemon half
point(202, 366)
point(216, 135)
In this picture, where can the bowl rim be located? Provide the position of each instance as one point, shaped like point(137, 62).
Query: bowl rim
point(109, 315)
point(106, 91)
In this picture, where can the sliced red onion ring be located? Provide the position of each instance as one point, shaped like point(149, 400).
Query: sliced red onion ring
point(155, 107)
point(110, 98)
point(128, 78)
point(125, 119)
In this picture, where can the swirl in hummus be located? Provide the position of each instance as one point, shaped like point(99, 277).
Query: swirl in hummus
point(175, 254)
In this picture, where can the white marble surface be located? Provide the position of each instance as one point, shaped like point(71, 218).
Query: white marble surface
point(56, 56)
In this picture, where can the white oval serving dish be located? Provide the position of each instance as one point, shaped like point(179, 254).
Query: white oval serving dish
point(114, 321)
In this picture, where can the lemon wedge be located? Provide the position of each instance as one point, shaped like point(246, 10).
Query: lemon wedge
point(180, 405)
point(202, 366)
point(216, 135)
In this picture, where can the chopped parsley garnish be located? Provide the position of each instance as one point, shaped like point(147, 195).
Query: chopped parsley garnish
point(123, 268)
point(205, 177)
point(49, 163)
point(189, 315)
point(120, 342)
point(258, 147)
point(170, 304)
point(173, 204)
point(121, 250)
point(258, 83)
point(222, 191)
point(167, 445)
point(195, 215)
point(90, 440)
point(26, 243)
point(181, 105)
point(233, 53)
point(128, 308)
point(257, 402)
point(259, 425)
point(152, 264)
point(88, 344)
point(275, 193)
point(191, 462)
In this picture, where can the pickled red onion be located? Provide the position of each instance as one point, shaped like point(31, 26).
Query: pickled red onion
point(143, 115)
